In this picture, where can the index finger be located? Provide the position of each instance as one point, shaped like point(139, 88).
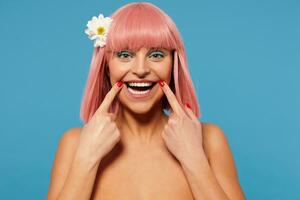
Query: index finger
point(109, 97)
point(171, 98)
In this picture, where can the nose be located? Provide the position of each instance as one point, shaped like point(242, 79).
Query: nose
point(140, 67)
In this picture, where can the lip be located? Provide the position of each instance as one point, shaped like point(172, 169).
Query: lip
point(141, 96)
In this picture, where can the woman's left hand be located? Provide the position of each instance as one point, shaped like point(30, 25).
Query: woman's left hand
point(183, 132)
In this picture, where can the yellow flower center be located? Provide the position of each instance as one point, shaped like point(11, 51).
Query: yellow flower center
point(100, 30)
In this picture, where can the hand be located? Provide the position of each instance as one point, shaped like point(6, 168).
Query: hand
point(100, 134)
point(183, 133)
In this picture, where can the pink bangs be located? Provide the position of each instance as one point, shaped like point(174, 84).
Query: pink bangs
point(134, 26)
point(144, 26)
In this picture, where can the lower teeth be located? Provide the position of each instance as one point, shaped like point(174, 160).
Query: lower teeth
point(138, 92)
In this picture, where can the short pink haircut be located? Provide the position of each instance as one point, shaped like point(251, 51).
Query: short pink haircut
point(137, 25)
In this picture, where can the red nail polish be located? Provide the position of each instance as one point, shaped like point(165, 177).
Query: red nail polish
point(119, 83)
point(161, 83)
point(188, 105)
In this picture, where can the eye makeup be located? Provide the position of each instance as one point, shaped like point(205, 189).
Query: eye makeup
point(157, 53)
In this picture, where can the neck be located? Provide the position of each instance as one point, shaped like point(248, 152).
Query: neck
point(141, 128)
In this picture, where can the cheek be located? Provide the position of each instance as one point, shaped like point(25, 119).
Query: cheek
point(164, 72)
point(116, 73)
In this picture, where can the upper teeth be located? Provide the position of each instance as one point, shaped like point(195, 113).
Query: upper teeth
point(139, 84)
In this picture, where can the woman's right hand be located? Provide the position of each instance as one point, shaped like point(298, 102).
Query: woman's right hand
point(100, 134)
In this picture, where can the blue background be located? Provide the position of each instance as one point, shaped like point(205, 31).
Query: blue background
point(244, 58)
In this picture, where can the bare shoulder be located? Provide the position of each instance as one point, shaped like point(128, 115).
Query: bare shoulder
point(67, 146)
point(221, 160)
point(214, 138)
point(68, 142)
point(71, 136)
point(65, 152)
point(216, 145)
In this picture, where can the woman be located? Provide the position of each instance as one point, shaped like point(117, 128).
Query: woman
point(130, 147)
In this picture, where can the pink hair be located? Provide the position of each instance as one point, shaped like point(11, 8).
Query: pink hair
point(137, 25)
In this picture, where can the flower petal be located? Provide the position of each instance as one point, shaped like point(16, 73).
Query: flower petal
point(92, 29)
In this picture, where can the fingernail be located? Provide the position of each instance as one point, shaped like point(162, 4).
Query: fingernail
point(161, 83)
point(188, 105)
point(119, 83)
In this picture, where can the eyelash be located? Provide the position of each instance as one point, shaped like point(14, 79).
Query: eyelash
point(120, 53)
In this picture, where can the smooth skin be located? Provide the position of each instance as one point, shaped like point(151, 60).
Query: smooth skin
point(80, 150)
point(184, 139)
point(73, 175)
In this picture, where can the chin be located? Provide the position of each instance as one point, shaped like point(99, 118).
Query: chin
point(141, 108)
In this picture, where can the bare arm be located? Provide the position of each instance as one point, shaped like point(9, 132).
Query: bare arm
point(80, 151)
point(80, 180)
point(72, 175)
point(216, 177)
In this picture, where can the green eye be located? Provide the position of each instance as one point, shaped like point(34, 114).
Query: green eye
point(123, 53)
point(127, 54)
point(157, 54)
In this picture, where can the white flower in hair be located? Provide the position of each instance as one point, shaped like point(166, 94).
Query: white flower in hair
point(97, 29)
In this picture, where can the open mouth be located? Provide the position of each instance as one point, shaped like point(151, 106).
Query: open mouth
point(140, 89)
